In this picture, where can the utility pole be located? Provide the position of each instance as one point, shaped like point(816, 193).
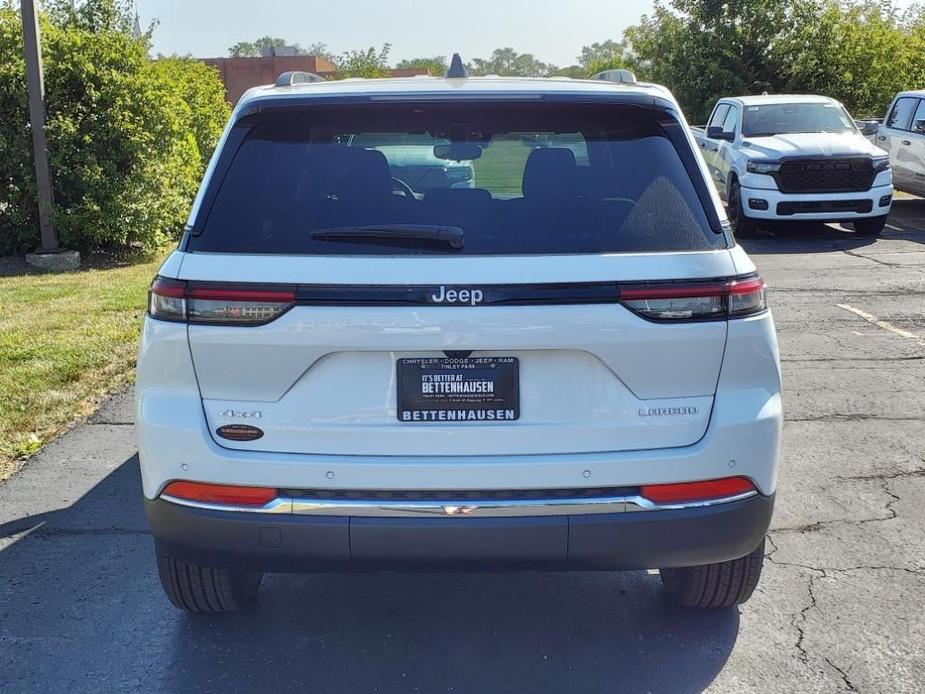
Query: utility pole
point(35, 81)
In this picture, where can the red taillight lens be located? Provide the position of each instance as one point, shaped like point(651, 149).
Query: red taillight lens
point(221, 493)
point(175, 300)
point(697, 491)
point(747, 297)
point(685, 301)
point(167, 299)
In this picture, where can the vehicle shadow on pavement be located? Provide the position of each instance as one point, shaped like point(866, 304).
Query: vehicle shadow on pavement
point(805, 238)
point(909, 218)
point(81, 607)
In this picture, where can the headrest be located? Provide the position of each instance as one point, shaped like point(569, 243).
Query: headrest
point(550, 171)
point(360, 172)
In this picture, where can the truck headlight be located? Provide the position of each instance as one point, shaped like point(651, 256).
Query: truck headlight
point(759, 166)
point(881, 164)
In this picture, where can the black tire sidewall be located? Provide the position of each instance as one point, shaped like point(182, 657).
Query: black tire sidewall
point(872, 226)
point(741, 225)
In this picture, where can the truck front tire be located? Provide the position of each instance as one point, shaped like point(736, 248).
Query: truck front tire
point(203, 590)
point(715, 585)
point(870, 227)
point(742, 226)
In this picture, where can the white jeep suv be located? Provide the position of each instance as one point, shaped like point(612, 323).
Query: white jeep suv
point(568, 366)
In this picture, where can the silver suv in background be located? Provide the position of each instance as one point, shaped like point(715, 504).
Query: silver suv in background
point(902, 134)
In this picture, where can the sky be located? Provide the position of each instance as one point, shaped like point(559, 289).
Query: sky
point(553, 30)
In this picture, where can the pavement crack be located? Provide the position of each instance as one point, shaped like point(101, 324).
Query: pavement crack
point(853, 418)
point(844, 675)
point(893, 476)
point(850, 360)
point(867, 257)
point(798, 621)
point(828, 571)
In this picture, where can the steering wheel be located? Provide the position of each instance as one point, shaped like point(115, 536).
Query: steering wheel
point(403, 188)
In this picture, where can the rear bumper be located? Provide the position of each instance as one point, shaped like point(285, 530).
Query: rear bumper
point(823, 207)
point(291, 543)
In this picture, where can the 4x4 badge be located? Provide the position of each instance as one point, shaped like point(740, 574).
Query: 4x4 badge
point(234, 414)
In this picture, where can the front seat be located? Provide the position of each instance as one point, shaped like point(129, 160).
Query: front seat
point(550, 172)
point(360, 191)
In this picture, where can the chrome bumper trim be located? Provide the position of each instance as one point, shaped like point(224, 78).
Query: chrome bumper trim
point(462, 509)
point(276, 507)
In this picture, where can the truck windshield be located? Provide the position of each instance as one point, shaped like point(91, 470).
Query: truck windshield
point(785, 119)
point(507, 177)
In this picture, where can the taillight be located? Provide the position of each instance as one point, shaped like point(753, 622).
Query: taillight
point(194, 302)
point(687, 492)
point(221, 493)
point(686, 301)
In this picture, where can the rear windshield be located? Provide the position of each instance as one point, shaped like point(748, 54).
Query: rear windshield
point(470, 179)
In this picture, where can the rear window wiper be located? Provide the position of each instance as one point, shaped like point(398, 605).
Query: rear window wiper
point(454, 236)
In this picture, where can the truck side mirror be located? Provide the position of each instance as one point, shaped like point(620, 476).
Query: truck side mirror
point(716, 132)
point(919, 126)
point(868, 127)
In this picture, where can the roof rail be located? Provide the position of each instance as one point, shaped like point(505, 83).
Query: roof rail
point(289, 79)
point(622, 76)
point(457, 69)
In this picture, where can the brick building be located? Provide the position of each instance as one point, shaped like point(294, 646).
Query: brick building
point(240, 74)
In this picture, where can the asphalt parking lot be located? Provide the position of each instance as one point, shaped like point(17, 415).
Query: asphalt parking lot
point(841, 606)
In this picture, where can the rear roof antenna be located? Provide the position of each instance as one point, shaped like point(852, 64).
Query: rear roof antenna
point(457, 68)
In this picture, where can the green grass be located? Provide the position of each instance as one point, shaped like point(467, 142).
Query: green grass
point(501, 166)
point(66, 341)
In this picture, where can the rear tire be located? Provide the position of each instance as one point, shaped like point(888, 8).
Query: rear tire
point(870, 227)
point(742, 226)
point(724, 584)
point(202, 590)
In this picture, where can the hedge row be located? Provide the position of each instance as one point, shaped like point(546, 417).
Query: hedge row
point(128, 137)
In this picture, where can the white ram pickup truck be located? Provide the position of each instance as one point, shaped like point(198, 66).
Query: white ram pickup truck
point(795, 158)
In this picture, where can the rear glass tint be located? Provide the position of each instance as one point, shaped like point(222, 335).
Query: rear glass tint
point(515, 178)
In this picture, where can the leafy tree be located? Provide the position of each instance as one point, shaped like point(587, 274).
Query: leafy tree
point(602, 56)
point(320, 50)
point(248, 49)
point(574, 71)
point(507, 61)
point(368, 63)
point(436, 66)
point(93, 15)
point(706, 49)
point(860, 54)
point(127, 139)
point(201, 89)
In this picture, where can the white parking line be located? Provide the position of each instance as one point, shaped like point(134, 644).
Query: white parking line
point(886, 325)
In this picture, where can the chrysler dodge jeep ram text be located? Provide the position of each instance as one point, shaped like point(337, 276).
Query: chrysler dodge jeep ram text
point(565, 364)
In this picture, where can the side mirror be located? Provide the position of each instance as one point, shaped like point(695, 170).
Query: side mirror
point(919, 126)
point(868, 127)
point(716, 132)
